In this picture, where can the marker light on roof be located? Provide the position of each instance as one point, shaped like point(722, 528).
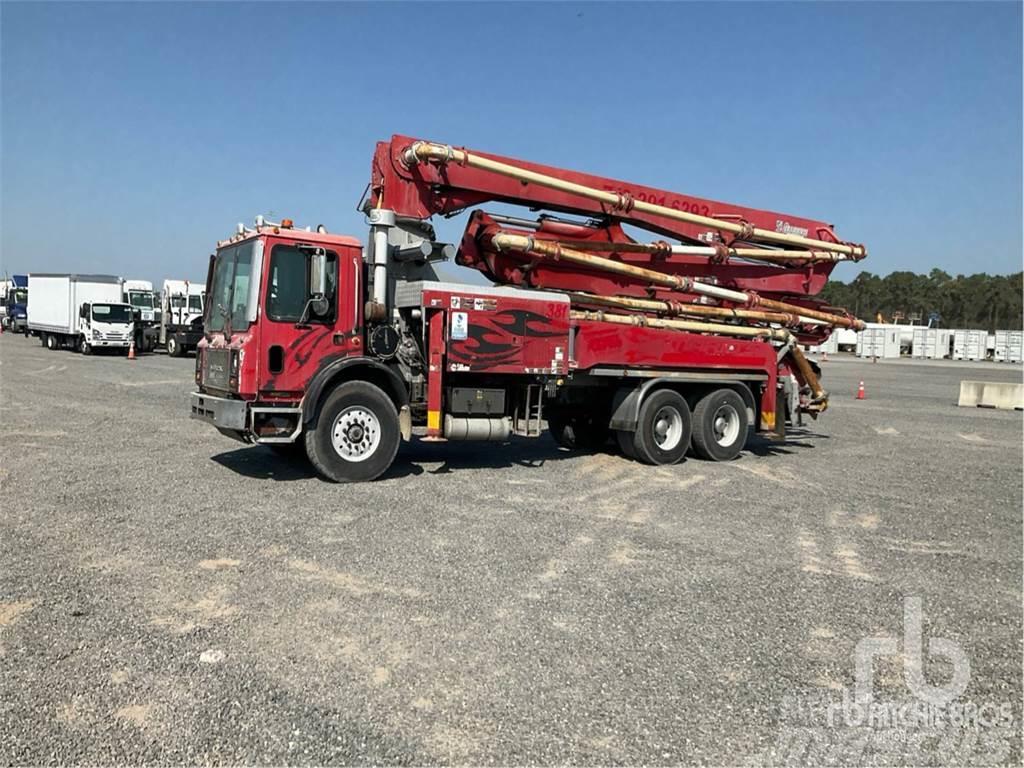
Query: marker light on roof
point(321, 229)
point(286, 223)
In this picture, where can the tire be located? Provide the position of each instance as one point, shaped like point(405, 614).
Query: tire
point(84, 346)
point(42, 339)
point(625, 441)
point(558, 426)
point(173, 347)
point(51, 341)
point(578, 432)
point(720, 425)
point(355, 437)
point(663, 428)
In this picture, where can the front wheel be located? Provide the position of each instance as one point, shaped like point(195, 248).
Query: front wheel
point(356, 434)
point(85, 347)
point(720, 425)
point(173, 347)
point(663, 428)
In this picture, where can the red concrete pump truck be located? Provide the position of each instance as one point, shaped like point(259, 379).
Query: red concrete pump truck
point(666, 346)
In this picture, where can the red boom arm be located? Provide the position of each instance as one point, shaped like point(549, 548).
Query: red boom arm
point(425, 189)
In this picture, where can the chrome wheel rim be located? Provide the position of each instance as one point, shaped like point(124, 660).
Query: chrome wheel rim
point(726, 425)
point(668, 428)
point(356, 433)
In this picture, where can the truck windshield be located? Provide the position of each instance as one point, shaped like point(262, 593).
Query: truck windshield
point(111, 313)
point(195, 303)
point(141, 299)
point(19, 296)
point(229, 294)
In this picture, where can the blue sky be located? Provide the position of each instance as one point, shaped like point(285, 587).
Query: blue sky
point(134, 136)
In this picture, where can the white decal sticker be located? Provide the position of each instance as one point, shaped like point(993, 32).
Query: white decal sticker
point(460, 326)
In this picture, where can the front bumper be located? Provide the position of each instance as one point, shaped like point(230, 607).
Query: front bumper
point(221, 412)
point(246, 421)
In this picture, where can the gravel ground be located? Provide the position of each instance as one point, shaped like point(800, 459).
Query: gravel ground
point(168, 595)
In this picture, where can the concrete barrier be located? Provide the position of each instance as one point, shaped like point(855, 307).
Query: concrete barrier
point(992, 394)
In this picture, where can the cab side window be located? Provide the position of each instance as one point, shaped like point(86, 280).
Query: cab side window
point(288, 286)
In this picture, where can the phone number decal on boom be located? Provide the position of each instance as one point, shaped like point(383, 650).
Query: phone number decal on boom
point(675, 203)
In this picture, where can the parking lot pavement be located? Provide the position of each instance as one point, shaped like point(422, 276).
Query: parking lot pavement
point(169, 595)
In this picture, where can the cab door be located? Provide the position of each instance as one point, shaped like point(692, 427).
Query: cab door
point(295, 338)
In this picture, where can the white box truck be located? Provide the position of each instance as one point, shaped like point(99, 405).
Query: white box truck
point(83, 312)
point(181, 311)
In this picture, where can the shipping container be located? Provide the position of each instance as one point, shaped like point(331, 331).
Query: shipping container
point(969, 344)
point(1008, 346)
point(829, 347)
point(879, 340)
point(846, 339)
point(930, 343)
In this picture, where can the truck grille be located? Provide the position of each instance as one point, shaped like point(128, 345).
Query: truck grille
point(216, 368)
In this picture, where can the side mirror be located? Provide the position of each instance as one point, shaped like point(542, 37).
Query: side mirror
point(318, 281)
point(83, 311)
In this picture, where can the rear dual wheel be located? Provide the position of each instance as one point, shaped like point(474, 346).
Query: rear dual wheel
point(665, 431)
point(663, 428)
point(720, 425)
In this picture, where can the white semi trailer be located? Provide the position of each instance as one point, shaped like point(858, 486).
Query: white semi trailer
point(82, 312)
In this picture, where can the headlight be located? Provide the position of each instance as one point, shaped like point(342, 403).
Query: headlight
point(96, 334)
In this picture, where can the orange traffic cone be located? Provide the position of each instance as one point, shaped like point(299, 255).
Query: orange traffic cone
point(131, 350)
point(860, 391)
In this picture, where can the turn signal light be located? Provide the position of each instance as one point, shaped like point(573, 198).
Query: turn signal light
point(287, 223)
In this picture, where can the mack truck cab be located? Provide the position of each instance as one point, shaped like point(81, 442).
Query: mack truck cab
point(284, 316)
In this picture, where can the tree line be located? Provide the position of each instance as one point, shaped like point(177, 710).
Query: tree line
point(973, 301)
